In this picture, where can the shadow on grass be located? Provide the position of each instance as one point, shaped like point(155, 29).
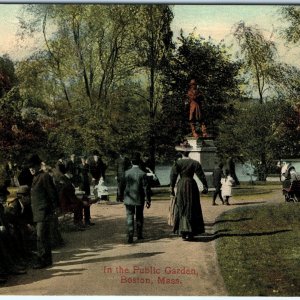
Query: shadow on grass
point(248, 203)
point(231, 221)
point(221, 233)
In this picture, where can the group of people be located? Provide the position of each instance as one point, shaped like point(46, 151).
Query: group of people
point(29, 218)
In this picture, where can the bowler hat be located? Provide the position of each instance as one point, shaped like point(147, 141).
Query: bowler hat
point(95, 152)
point(34, 160)
point(136, 158)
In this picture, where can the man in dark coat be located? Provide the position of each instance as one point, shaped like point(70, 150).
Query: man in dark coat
point(123, 164)
point(69, 202)
point(217, 176)
point(44, 201)
point(97, 167)
point(84, 176)
point(231, 167)
point(73, 167)
point(135, 191)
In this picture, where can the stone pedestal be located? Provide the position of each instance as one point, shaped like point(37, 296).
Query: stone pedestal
point(205, 153)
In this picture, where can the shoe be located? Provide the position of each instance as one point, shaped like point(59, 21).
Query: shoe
point(189, 237)
point(130, 240)
point(89, 224)
point(140, 237)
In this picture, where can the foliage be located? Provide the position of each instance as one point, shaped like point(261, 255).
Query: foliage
point(99, 64)
point(216, 75)
point(291, 15)
point(7, 75)
point(259, 56)
point(19, 135)
point(241, 132)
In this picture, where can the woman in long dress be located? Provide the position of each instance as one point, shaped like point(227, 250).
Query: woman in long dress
point(188, 213)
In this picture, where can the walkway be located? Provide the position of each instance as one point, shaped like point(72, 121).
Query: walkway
point(99, 262)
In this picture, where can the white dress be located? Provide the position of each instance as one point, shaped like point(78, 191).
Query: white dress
point(227, 186)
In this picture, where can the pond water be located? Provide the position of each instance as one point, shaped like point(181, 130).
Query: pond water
point(244, 173)
point(163, 173)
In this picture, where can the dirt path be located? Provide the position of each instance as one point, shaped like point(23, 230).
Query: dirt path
point(97, 261)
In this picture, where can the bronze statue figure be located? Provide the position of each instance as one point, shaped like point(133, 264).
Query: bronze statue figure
point(196, 97)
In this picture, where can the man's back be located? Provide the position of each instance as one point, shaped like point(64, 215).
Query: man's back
point(136, 187)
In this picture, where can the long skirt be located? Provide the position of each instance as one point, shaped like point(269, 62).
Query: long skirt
point(188, 216)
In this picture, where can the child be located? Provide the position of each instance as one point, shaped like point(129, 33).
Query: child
point(227, 183)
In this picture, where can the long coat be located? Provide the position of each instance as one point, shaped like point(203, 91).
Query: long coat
point(67, 197)
point(44, 198)
point(135, 187)
point(217, 176)
point(84, 178)
point(188, 212)
point(97, 168)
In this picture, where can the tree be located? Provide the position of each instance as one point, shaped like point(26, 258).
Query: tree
point(86, 48)
point(7, 75)
point(240, 134)
point(86, 75)
point(259, 56)
point(19, 135)
point(153, 46)
point(291, 15)
point(216, 75)
point(259, 61)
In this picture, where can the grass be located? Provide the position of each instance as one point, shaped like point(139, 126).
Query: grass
point(258, 250)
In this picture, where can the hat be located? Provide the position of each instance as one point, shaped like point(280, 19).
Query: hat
point(34, 160)
point(23, 189)
point(61, 155)
point(96, 152)
point(136, 158)
point(184, 147)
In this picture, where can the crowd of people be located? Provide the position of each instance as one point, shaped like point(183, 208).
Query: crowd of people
point(29, 212)
point(30, 219)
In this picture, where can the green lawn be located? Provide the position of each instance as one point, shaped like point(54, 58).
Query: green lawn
point(258, 250)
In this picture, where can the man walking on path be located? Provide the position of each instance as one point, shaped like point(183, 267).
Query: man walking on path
point(44, 200)
point(135, 191)
point(123, 164)
point(217, 176)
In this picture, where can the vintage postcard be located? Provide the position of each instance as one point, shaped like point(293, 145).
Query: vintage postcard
point(149, 149)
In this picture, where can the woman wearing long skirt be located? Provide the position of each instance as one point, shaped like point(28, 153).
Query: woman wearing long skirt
point(188, 213)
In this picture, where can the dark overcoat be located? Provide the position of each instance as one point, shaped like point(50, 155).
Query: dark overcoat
point(217, 176)
point(188, 212)
point(135, 188)
point(44, 198)
point(67, 197)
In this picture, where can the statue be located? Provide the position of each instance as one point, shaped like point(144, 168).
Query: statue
point(196, 114)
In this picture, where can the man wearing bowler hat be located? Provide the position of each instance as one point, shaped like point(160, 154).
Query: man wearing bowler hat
point(44, 201)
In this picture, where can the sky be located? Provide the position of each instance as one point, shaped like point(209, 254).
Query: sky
point(215, 21)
